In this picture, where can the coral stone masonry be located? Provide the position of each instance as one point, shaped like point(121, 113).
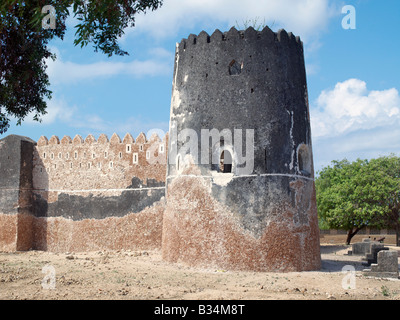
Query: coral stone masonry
point(259, 213)
point(81, 194)
point(230, 186)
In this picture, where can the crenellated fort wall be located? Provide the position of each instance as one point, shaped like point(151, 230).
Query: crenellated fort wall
point(88, 165)
point(82, 194)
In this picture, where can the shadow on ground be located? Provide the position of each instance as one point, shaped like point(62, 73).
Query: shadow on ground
point(334, 258)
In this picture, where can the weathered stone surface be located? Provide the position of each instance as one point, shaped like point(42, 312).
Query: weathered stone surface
point(361, 248)
point(16, 173)
point(140, 231)
point(200, 231)
point(16, 193)
point(265, 219)
point(66, 194)
point(98, 165)
point(372, 255)
point(387, 265)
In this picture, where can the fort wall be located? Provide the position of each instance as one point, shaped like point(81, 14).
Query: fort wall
point(104, 164)
point(82, 193)
point(15, 193)
point(76, 170)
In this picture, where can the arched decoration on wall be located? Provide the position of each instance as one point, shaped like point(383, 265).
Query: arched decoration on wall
point(304, 159)
point(223, 157)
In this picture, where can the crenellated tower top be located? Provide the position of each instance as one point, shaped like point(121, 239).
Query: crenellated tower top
point(266, 36)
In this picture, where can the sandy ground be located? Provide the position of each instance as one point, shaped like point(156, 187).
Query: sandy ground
point(141, 275)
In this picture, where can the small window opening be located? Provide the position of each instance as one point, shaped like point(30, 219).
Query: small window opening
point(135, 158)
point(235, 68)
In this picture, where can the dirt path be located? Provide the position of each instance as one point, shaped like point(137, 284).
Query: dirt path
point(143, 275)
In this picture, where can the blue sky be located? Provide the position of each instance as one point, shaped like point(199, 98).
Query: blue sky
point(352, 74)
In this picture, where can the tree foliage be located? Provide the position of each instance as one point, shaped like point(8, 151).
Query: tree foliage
point(24, 84)
point(362, 193)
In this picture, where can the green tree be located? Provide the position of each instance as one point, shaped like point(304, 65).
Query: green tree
point(24, 84)
point(352, 196)
point(387, 190)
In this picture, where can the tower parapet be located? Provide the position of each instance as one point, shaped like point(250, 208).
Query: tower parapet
point(266, 35)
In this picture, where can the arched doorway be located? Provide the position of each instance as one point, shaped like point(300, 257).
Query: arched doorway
point(225, 162)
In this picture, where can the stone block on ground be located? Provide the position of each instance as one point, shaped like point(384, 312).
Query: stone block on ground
point(387, 266)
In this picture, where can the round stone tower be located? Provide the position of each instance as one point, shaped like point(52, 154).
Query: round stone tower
point(240, 178)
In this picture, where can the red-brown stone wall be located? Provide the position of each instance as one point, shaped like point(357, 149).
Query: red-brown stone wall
point(199, 231)
point(90, 175)
point(136, 231)
point(8, 234)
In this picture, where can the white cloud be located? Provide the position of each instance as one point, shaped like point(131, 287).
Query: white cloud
point(57, 110)
point(350, 121)
point(350, 107)
point(96, 125)
point(363, 144)
point(305, 18)
point(61, 71)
